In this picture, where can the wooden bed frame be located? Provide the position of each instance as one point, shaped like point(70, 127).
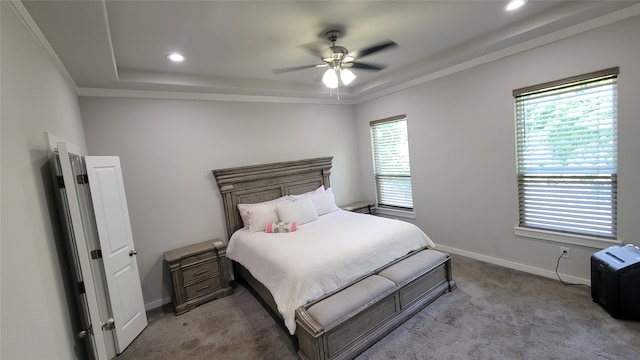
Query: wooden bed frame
point(258, 183)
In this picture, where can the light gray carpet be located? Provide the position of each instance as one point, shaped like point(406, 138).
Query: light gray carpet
point(495, 313)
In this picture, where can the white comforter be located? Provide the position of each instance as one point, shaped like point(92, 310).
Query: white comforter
point(322, 255)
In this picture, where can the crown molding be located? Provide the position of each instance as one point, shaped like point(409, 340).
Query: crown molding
point(177, 95)
point(28, 22)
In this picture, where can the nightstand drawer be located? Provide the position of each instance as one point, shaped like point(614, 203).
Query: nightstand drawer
point(202, 288)
point(196, 258)
point(200, 272)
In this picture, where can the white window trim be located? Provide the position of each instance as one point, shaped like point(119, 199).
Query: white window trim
point(566, 238)
point(558, 236)
point(385, 211)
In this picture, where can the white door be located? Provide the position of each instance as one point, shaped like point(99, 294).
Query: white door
point(79, 253)
point(118, 251)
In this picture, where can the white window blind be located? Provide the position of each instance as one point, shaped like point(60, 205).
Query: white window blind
point(567, 154)
point(390, 147)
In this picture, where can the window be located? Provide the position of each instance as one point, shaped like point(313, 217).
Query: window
point(390, 147)
point(567, 154)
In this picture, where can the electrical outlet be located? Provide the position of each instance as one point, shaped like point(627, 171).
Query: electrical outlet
point(566, 252)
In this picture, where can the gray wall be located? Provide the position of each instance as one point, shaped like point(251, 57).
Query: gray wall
point(169, 147)
point(462, 148)
point(38, 309)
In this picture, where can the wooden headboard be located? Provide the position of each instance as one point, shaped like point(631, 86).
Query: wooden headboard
point(258, 183)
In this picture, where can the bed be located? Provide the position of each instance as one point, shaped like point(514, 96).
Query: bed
point(327, 253)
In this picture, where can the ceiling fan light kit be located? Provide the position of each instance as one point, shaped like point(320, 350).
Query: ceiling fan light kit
point(347, 76)
point(330, 78)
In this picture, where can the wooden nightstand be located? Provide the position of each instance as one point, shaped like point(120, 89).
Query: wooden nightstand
point(361, 207)
point(199, 274)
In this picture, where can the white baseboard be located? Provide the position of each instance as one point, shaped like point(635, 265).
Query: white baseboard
point(514, 265)
point(156, 303)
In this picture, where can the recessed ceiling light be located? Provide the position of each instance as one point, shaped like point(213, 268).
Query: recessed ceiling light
point(175, 57)
point(515, 4)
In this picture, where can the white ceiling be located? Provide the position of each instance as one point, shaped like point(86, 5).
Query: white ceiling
point(231, 47)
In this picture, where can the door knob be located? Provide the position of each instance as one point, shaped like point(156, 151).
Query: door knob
point(133, 252)
point(109, 324)
point(82, 334)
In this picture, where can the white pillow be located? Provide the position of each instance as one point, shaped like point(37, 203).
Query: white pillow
point(244, 208)
point(300, 211)
point(260, 216)
point(308, 193)
point(324, 202)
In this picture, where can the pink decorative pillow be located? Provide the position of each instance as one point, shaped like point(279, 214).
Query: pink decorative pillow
point(281, 227)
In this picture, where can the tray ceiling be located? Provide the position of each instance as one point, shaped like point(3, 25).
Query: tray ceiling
point(231, 47)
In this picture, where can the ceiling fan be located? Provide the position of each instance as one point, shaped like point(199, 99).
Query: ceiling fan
point(338, 60)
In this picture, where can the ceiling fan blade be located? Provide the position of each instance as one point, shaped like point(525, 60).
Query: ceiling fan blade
point(314, 48)
point(387, 45)
point(296, 68)
point(365, 66)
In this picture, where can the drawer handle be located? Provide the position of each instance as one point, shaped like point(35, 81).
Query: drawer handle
point(204, 288)
point(200, 272)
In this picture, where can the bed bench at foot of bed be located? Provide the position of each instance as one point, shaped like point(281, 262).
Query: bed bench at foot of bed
point(342, 324)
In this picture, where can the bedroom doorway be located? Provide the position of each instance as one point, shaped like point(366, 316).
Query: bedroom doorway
point(101, 251)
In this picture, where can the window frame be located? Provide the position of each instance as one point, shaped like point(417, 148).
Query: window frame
point(382, 207)
point(551, 234)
